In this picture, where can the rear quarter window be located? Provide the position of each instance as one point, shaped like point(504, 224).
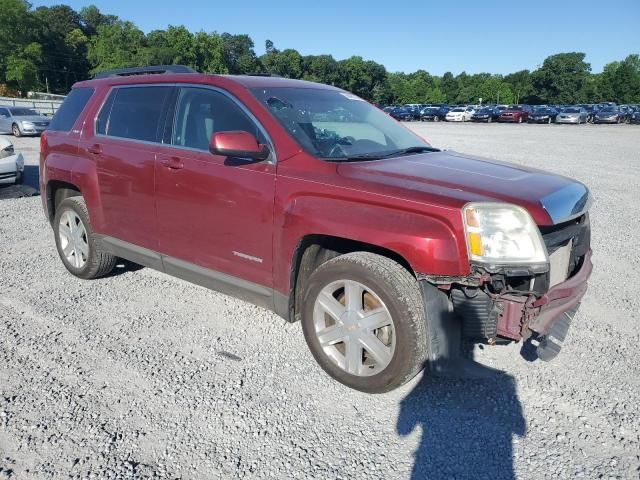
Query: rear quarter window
point(70, 110)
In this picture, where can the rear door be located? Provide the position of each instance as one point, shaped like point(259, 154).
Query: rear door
point(123, 144)
point(213, 211)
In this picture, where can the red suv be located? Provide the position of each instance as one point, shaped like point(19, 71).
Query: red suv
point(306, 200)
point(515, 114)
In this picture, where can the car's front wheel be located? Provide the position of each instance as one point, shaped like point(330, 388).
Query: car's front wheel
point(15, 129)
point(364, 322)
point(76, 243)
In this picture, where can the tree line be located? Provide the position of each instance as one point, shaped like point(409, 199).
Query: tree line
point(50, 48)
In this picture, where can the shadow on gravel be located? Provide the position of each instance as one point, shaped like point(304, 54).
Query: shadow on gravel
point(467, 426)
point(29, 188)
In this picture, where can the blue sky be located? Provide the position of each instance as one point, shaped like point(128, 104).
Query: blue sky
point(406, 35)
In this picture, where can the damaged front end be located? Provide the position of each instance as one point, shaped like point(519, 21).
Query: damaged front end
point(522, 303)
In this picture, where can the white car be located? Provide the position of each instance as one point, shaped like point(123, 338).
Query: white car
point(459, 114)
point(11, 164)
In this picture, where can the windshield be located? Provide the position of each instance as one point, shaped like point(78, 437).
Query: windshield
point(571, 110)
point(23, 112)
point(542, 111)
point(609, 109)
point(515, 107)
point(458, 110)
point(485, 111)
point(336, 125)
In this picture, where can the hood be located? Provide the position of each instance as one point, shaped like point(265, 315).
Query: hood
point(453, 179)
point(33, 118)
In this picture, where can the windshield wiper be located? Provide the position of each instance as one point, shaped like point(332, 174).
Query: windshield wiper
point(394, 153)
point(407, 151)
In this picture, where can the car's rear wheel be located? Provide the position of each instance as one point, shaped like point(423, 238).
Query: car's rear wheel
point(15, 129)
point(519, 119)
point(76, 243)
point(364, 322)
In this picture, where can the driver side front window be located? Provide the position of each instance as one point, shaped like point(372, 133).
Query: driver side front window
point(202, 112)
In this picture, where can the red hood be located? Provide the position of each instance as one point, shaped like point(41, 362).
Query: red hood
point(453, 179)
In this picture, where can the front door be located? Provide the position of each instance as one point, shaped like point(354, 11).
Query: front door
point(214, 212)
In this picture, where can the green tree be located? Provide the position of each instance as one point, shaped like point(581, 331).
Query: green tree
point(118, 45)
point(209, 52)
point(17, 29)
point(562, 78)
point(92, 18)
point(320, 68)
point(286, 63)
point(239, 56)
point(521, 86)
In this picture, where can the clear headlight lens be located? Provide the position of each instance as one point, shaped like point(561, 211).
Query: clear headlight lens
point(502, 234)
point(26, 124)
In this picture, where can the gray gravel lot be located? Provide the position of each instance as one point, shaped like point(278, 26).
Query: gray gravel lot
point(140, 375)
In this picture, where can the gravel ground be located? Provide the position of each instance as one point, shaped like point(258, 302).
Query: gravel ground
point(140, 375)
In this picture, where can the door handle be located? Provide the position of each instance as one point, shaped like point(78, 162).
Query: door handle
point(94, 149)
point(174, 163)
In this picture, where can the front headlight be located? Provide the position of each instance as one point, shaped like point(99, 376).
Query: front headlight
point(26, 124)
point(502, 234)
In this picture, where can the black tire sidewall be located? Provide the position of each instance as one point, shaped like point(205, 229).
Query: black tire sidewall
point(403, 361)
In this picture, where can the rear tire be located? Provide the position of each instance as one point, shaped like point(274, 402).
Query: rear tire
point(391, 291)
point(76, 243)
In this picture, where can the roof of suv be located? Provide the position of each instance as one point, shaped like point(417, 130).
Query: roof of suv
point(247, 81)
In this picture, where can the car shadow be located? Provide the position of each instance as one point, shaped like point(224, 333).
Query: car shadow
point(467, 425)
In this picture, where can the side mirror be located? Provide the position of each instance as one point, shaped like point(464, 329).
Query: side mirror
point(238, 144)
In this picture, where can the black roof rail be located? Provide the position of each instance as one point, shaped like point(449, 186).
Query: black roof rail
point(152, 69)
point(259, 74)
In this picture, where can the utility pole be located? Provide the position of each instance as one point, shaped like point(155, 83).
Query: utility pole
point(46, 80)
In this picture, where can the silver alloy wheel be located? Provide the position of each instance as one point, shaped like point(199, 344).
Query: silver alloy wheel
point(73, 239)
point(354, 328)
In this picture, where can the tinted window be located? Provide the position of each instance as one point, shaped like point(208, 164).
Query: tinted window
point(134, 113)
point(4, 112)
point(70, 110)
point(202, 112)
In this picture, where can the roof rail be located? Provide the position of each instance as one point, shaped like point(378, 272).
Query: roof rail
point(260, 74)
point(152, 69)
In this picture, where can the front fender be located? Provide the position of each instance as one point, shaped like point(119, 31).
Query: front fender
point(427, 241)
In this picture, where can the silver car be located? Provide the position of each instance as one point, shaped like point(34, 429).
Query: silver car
point(11, 163)
point(22, 121)
point(572, 115)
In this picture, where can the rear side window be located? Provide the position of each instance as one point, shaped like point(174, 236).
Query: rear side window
point(133, 112)
point(70, 110)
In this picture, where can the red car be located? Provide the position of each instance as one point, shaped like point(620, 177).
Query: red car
point(389, 251)
point(515, 114)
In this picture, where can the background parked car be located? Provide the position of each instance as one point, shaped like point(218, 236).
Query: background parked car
point(414, 110)
point(515, 114)
point(401, 114)
point(543, 115)
point(609, 114)
point(486, 114)
point(11, 163)
point(459, 114)
point(22, 121)
point(635, 116)
point(434, 113)
point(575, 115)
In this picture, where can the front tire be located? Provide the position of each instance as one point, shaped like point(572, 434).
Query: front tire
point(364, 321)
point(15, 129)
point(76, 243)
